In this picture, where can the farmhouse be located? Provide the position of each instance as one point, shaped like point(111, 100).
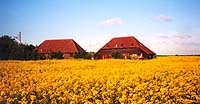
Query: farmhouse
point(127, 46)
point(67, 46)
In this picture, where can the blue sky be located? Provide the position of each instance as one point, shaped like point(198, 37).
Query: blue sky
point(165, 26)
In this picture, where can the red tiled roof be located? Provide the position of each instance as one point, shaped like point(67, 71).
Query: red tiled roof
point(63, 45)
point(126, 42)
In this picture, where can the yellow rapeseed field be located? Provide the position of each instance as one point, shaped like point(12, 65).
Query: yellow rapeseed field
point(173, 79)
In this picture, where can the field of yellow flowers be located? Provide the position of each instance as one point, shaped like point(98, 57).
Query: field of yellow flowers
point(174, 79)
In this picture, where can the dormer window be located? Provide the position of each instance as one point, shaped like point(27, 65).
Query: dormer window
point(116, 46)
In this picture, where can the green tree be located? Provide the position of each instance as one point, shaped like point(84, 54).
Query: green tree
point(56, 55)
point(52, 54)
point(59, 55)
point(7, 45)
point(35, 56)
point(116, 55)
point(76, 55)
point(82, 55)
point(10, 49)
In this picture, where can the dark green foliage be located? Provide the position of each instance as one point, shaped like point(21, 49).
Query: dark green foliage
point(52, 55)
point(35, 56)
point(83, 55)
point(116, 55)
point(10, 49)
point(77, 55)
point(56, 55)
point(59, 55)
point(7, 45)
point(30, 54)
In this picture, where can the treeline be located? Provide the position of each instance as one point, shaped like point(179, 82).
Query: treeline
point(10, 49)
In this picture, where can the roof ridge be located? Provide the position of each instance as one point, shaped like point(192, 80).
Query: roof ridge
point(131, 36)
point(58, 39)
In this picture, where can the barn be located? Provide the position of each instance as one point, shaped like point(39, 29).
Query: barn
point(127, 46)
point(67, 46)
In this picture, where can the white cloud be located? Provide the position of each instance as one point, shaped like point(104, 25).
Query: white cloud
point(112, 21)
point(163, 36)
point(175, 36)
point(176, 43)
point(182, 36)
point(164, 18)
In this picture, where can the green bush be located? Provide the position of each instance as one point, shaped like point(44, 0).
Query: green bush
point(116, 55)
point(83, 55)
point(59, 55)
point(11, 49)
point(56, 55)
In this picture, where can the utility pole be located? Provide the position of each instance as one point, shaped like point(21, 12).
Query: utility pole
point(19, 37)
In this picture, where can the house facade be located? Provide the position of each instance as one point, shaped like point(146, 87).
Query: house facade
point(127, 46)
point(67, 46)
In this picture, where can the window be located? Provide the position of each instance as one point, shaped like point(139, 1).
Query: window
point(116, 46)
